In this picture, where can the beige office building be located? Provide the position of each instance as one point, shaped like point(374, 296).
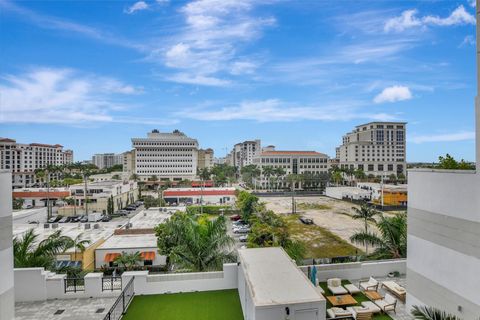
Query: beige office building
point(377, 148)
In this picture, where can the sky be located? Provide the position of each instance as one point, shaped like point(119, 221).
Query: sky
point(297, 74)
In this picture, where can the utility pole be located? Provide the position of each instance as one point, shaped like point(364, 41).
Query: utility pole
point(85, 194)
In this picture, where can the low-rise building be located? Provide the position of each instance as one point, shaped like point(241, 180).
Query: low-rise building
point(386, 194)
point(348, 193)
point(98, 194)
point(145, 244)
point(199, 195)
point(292, 162)
point(37, 197)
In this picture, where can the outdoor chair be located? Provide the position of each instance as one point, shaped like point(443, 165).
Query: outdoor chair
point(371, 306)
point(395, 289)
point(335, 286)
point(389, 303)
point(351, 288)
point(371, 284)
point(360, 313)
point(336, 313)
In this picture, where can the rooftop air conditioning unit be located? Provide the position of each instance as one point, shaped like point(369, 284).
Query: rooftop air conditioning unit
point(144, 213)
point(46, 226)
point(54, 225)
point(87, 226)
point(96, 226)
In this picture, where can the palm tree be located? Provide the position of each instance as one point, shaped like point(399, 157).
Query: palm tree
point(366, 214)
point(392, 240)
point(205, 245)
point(26, 254)
point(429, 313)
point(80, 244)
point(268, 171)
point(86, 171)
point(278, 172)
point(337, 177)
point(128, 260)
point(293, 179)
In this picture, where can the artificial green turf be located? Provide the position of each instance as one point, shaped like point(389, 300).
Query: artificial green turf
point(360, 297)
point(207, 305)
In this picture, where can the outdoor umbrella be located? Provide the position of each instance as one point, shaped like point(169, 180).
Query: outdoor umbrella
point(313, 275)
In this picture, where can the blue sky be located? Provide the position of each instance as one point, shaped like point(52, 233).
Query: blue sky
point(296, 74)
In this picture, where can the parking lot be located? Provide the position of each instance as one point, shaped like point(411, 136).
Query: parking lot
point(236, 236)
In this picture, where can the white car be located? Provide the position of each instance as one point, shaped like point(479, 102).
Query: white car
point(241, 230)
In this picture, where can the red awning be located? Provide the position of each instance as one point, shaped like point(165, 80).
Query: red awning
point(109, 257)
point(149, 255)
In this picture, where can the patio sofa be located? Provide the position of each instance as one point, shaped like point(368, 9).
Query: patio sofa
point(389, 303)
point(370, 284)
point(335, 286)
point(338, 313)
point(360, 313)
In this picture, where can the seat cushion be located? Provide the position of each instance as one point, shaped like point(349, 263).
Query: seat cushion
point(337, 290)
point(371, 306)
point(352, 288)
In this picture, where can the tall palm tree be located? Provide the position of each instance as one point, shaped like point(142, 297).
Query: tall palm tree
point(27, 254)
point(392, 240)
point(278, 172)
point(205, 245)
point(337, 177)
point(429, 313)
point(366, 214)
point(293, 179)
point(268, 171)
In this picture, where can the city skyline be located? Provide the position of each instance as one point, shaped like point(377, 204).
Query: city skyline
point(120, 69)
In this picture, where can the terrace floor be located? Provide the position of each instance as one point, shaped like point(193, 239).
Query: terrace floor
point(73, 309)
point(207, 305)
point(401, 312)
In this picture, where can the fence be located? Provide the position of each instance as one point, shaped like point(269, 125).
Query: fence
point(121, 304)
point(74, 284)
point(111, 283)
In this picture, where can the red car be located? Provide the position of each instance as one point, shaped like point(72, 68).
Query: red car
point(235, 217)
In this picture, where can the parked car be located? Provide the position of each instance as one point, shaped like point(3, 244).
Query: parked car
point(306, 220)
point(130, 208)
point(28, 206)
point(235, 217)
point(243, 229)
point(83, 219)
point(74, 219)
point(243, 238)
point(33, 222)
point(55, 219)
point(63, 220)
point(106, 218)
point(122, 212)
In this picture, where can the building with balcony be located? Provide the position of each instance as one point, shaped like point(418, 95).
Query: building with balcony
point(205, 158)
point(167, 156)
point(23, 159)
point(244, 152)
point(107, 160)
point(376, 148)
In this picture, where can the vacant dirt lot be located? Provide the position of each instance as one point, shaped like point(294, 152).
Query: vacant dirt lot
point(330, 214)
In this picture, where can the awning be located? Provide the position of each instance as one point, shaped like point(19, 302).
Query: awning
point(149, 255)
point(109, 257)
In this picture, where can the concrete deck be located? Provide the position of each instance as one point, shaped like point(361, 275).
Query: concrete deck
point(74, 309)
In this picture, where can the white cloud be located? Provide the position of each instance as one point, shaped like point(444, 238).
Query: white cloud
point(472, 3)
point(207, 48)
point(274, 110)
point(408, 19)
point(46, 95)
point(447, 137)
point(163, 1)
point(393, 94)
point(468, 41)
point(137, 6)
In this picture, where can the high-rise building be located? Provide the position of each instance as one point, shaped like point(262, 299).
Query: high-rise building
point(129, 161)
point(376, 148)
point(107, 160)
point(205, 158)
point(168, 156)
point(23, 159)
point(444, 233)
point(243, 153)
point(292, 162)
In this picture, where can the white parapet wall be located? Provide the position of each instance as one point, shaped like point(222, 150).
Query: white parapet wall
point(6, 252)
point(358, 270)
point(146, 284)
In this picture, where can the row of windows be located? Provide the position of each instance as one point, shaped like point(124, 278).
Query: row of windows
point(287, 160)
point(164, 144)
point(162, 150)
point(164, 166)
point(163, 171)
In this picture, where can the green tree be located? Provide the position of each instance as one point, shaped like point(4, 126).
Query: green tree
point(110, 205)
point(359, 174)
point(116, 177)
point(129, 260)
point(80, 244)
point(150, 201)
point(268, 171)
point(392, 240)
point(429, 313)
point(337, 177)
point(247, 204)
point(448, 162)
point(195, 244)
point(29, 253)
point(250, 173)
point(366, 214)
point(17, 203)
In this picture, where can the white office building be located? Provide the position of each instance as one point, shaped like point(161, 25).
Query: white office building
point(444, 234)
point(168, 156)
point(376, 148)
point(23, 159)
point(107, 160)
point(292, 162)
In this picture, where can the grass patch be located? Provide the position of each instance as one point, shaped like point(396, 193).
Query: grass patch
point(319, 242)
point(208, 305)
point(313, 206)
point(360, 297)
